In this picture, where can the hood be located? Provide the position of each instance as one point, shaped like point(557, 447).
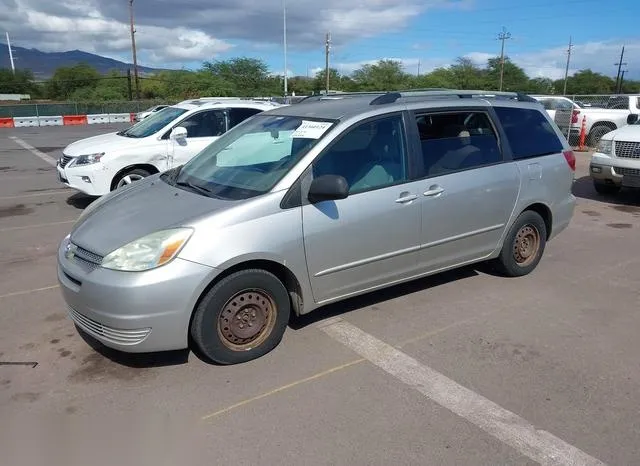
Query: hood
point(102, 143)
point(626, 133)
point(139, 209)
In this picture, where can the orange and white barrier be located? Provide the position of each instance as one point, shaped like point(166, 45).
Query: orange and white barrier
point(66, 120)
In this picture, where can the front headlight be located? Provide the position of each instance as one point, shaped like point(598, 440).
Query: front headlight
point(88, 159)
point(148, 252)
point(605, 146)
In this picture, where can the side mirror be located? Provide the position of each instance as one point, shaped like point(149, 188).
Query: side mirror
point(328, 188)
point(632, 119)
point(178, 133)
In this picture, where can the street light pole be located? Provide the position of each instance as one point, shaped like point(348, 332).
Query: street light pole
point(284, 11)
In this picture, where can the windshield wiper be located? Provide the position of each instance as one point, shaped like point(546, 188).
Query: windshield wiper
point(195, 188)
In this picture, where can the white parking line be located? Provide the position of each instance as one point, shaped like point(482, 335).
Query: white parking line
point(47, 158)
point(42, 194)
point(38, 225)
point(509, 428)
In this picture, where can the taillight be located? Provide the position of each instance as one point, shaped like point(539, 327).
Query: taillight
point(574, 116)
point(570, 157)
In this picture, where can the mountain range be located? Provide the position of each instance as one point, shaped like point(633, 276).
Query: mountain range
point(44, 64)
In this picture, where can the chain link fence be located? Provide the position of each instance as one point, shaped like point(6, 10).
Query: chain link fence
point(597, 114)
point(77, 108)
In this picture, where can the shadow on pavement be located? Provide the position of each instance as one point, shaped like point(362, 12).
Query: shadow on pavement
point(80, 201)
point(136, 360)
point(583, 188)
point(377, 297)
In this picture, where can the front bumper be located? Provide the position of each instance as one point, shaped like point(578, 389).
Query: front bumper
point(616, 171)
point(134, 312)
point(93, 180)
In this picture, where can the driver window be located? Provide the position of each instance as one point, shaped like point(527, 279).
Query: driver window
point(209, 123)
point(369, 156)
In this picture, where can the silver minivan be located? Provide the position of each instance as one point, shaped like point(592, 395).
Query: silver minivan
point(312, 203)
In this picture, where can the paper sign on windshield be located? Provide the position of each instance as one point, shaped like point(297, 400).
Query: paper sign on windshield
point(311, 129)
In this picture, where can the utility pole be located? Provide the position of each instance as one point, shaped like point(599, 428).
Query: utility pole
point(13, 66)
point(619, 65)
point(419, 63)
point(326, 53)
point(621, 80)
point(129, 88)
point(284, 13)
point(566, 71)
point(133, 48)
point(504, 35)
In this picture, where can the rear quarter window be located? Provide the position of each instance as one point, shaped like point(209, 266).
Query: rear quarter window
point(528, 132)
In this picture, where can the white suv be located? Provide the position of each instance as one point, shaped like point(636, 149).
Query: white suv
point(165, 139)
point(616, 161)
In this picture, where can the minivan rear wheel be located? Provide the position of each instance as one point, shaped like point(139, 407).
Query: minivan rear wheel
point(243, 317)
point(523, 246)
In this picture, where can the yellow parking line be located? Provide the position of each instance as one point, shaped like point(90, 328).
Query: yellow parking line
point(21, 293)
point(342, 366)
point(283, 388)
point(39, 225)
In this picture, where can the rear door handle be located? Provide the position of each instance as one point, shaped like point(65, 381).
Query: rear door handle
point(407, 198)
point(434, 191)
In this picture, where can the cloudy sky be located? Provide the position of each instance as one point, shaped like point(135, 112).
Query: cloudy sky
point(423, 34)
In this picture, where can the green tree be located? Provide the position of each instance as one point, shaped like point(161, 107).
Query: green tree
point(20, 82)
point(467, 75)
point(385, 75)
point(320, 80)
point(67, 80)
point(248, 76)
point(514, 78)
point(588, 82)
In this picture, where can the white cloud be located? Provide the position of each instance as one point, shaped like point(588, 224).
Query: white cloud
point(174, 33)
point(551, 63)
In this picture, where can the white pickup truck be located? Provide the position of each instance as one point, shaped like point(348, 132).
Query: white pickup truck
point(616, 161)
point(602, 116)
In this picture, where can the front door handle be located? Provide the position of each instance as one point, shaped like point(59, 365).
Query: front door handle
point(434, 191)
point(406, 198)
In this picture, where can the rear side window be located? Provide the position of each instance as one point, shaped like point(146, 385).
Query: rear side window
point(529, 133)
point(238, 114)
point(457, 141)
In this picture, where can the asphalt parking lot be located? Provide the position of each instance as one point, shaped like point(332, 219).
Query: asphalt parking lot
point(461, 368)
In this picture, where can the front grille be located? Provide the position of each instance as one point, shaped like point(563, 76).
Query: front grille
point(110, 334)
point(627, 171)
point(64, 161)
point(87, 259)
point(627, 150)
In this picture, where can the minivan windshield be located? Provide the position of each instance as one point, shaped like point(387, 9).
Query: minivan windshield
point(153, 123)
point(252, 157)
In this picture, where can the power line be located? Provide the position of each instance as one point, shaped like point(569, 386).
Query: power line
point(504, 35)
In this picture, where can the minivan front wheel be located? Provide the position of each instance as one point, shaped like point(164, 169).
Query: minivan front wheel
point(243, 317)
point(523, 246)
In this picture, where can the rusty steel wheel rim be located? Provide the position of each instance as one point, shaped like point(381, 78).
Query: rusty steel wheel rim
point(247, 319)
point(526, 245)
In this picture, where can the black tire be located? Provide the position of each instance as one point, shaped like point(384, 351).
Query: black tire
point(605, 189)
point(596, 133)
point(221, 319)
point(137, 173)
point(516, 259)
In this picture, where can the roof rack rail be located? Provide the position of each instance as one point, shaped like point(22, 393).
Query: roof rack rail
point(394, 96)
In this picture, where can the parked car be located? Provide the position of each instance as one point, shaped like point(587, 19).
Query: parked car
point(311, 204)
point(144, 114)
point(603, 115)
point(170, 137)
point(616, 162)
